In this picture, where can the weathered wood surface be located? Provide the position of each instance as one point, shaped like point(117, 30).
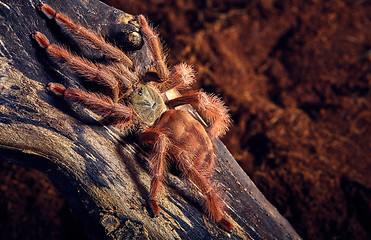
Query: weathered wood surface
point(103, 173)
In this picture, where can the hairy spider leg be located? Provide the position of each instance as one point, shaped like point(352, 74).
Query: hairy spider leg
point(127, 79)
point(210, 108)
point(159, 143)
point(90, 71)
point(96, 42)
point(155, 48)
point(115, 113)
point(213, 204)
point(181, 77)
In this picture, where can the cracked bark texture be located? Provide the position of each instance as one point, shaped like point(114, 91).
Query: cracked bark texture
point(103, 173)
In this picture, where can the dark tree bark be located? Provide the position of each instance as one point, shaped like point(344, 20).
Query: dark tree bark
point(102, 172)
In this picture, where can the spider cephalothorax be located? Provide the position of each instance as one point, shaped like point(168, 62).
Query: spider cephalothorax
point(139, 99)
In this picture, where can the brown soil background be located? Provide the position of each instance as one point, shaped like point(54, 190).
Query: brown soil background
point(296, 76)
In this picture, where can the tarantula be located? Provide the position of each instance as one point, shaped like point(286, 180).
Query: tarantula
point(138, 99)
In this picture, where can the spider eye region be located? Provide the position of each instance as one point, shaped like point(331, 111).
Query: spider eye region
point(147, 104)
point(140, 91)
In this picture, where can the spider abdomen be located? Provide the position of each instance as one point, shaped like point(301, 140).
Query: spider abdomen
point(188, 138)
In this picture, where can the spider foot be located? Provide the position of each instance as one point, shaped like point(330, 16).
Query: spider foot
point(56, 88)
point(41, 39)
point(226, 225)
point(48, 11)
point(155, 208)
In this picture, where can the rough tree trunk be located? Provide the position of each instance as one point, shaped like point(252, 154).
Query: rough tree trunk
point(103, 173)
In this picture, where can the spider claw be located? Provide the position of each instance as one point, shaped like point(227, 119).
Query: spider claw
point(48, 11)
point(142, 20)
point(56, 88)
point(40, 39)
point(226, 225)
point(154, 207)
point(38, 3)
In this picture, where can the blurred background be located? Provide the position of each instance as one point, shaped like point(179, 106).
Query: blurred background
point(296, 77)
